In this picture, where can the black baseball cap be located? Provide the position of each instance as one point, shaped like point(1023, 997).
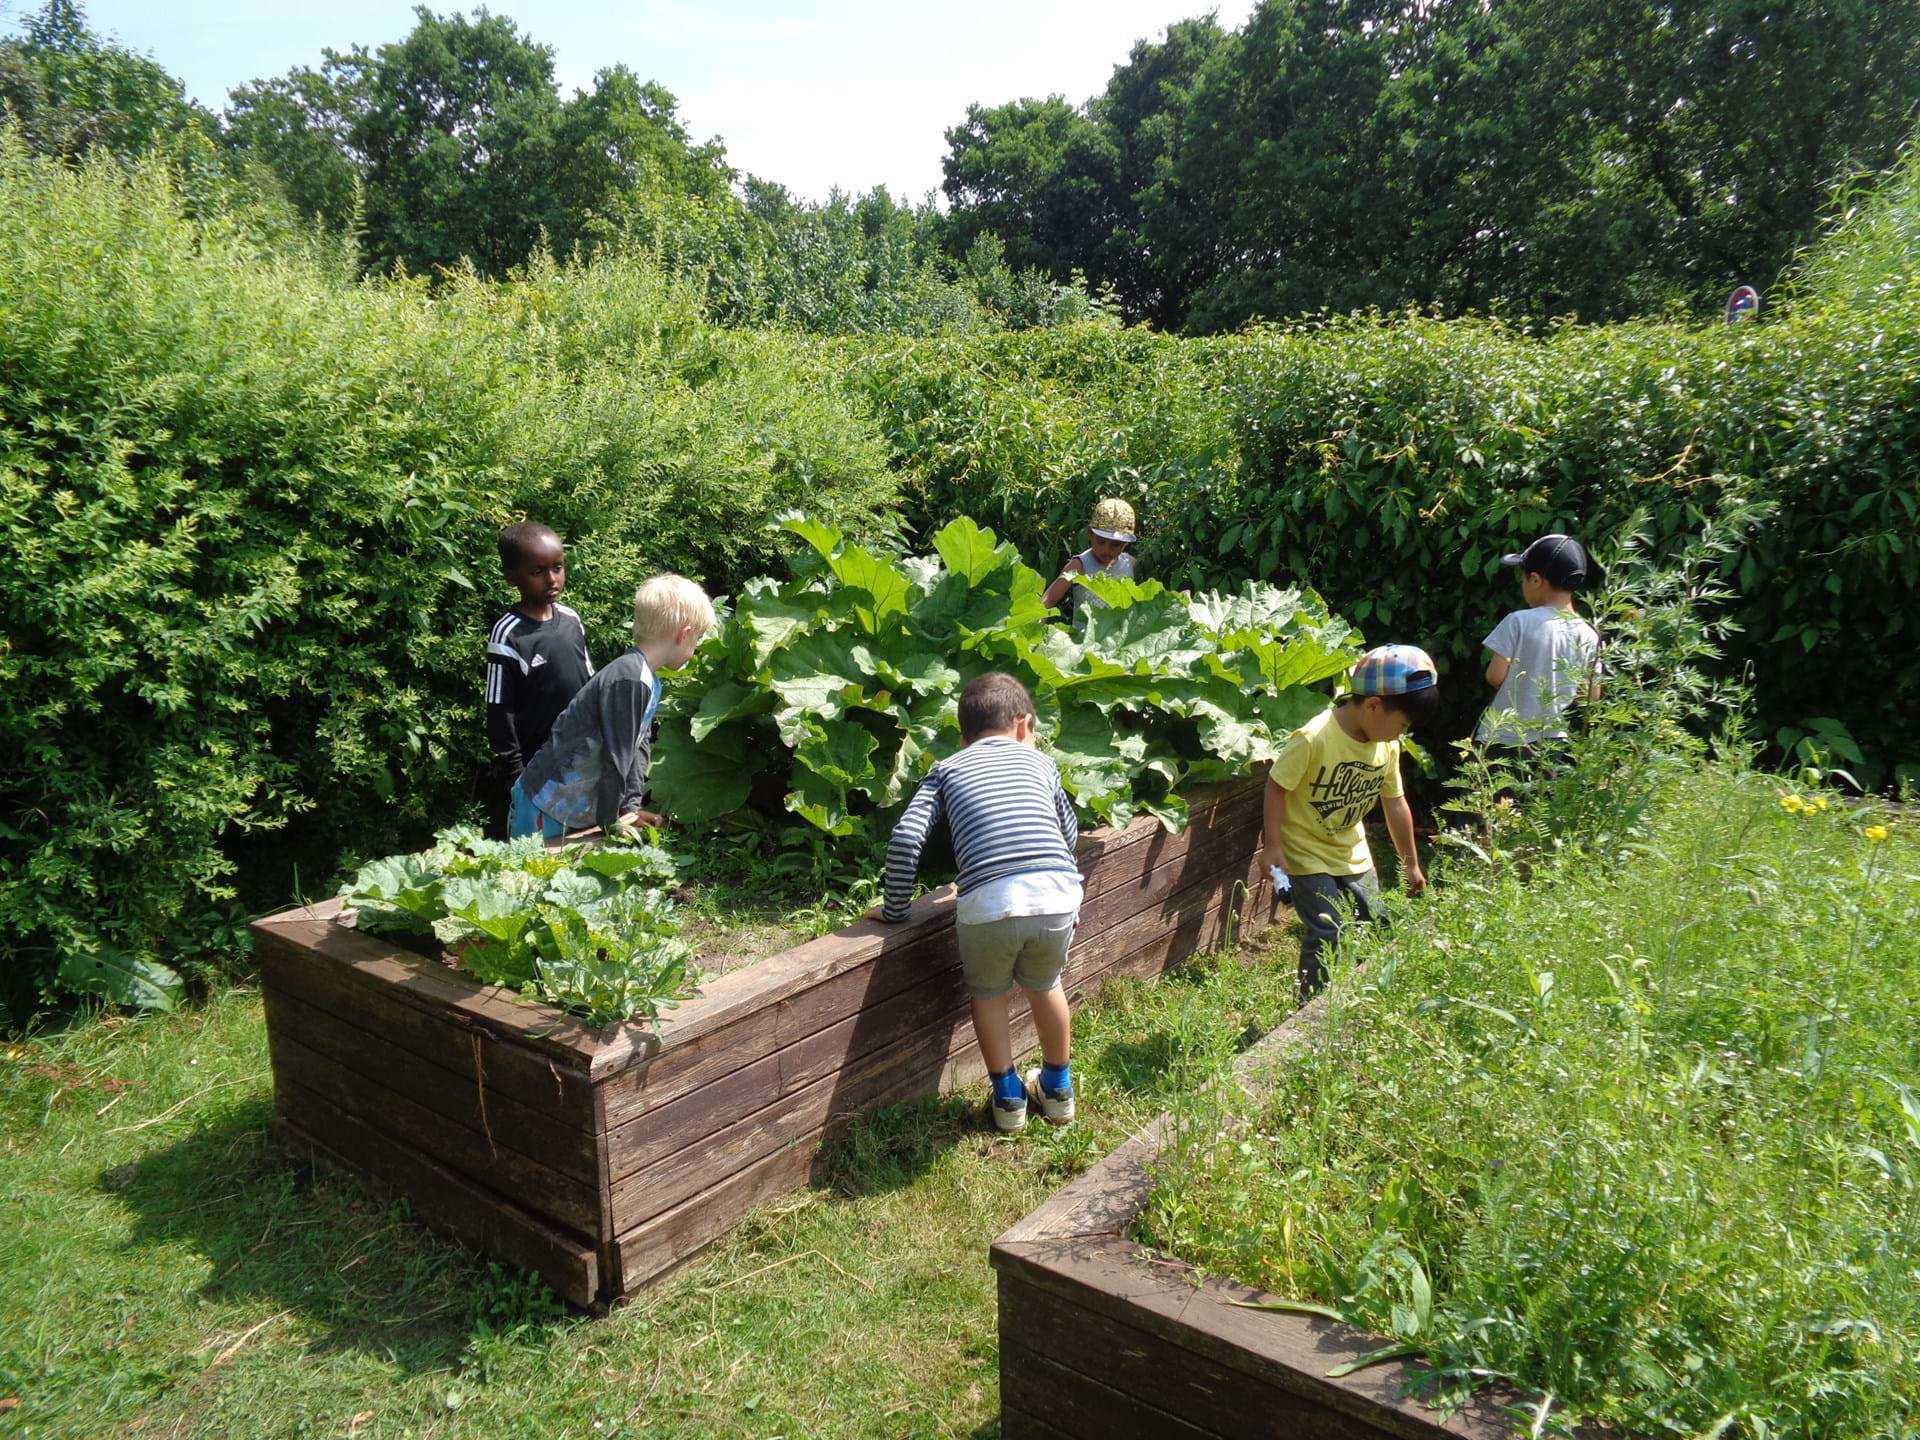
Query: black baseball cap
point(1558, 559)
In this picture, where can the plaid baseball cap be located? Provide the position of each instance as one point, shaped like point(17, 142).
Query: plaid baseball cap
point(1393, 670)
point(1560, 560)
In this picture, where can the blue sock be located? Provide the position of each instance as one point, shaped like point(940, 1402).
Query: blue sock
point(1008, 1086)
point(1056, 1079)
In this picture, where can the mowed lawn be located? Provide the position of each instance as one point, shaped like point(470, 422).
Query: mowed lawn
point(165, 1270)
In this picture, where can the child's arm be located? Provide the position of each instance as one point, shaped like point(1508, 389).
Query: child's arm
point(903, 849)
point(1057, 591)
point(1497, 669)
point(1273, 815)
point(623, 713)
point(1069, 822)
point(503, 731)
point(1500, 645)
point(1400, 829)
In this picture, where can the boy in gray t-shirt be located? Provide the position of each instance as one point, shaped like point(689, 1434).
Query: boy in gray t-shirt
point(1543, 659)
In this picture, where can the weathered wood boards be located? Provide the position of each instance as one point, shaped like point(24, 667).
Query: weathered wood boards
point(602, 1158)
point(1102, 1340)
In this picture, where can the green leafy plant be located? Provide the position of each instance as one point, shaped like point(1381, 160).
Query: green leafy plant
point(839, 689)
point(588, 929)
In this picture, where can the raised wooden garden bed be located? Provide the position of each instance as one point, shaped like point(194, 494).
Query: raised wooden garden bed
point(1100, 1339)
point(602, 1158)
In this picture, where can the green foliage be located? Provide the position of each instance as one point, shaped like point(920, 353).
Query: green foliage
point(840, 687)
point(71, 91)
point(1389, 463)
point(1600, 159)
point(1639, 1135)
point(250, 506)
point(589, 930)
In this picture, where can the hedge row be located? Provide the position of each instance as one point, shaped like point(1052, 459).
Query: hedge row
point(251, 506)
point(1388, 463)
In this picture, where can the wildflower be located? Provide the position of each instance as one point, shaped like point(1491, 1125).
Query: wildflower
point(1875, 833)
point(1819, 802)
point(1792, 804)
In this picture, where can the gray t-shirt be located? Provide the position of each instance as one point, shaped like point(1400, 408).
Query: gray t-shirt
point(1082, 602)
point(1551, 658)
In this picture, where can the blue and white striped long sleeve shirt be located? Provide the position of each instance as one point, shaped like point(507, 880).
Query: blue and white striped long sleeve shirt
point(1008, 815)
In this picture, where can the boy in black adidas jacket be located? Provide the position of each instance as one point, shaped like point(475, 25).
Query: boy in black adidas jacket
point(536, 659)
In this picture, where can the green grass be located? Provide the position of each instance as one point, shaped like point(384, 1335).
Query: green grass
point(1643, 1135)
point(166, 1271)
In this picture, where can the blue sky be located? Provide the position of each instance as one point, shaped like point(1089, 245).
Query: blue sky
point(812, 95)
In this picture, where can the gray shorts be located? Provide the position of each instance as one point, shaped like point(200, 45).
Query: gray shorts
point(1025, 950)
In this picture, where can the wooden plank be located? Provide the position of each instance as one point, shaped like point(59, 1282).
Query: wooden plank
point(1196, 845)
point(1018, 1425)
point(659, 1243)
point(929, 961)
point(461, 1100)
point(669, 1239)
point(443, 1200)
point(1075, 1404)
point(741, 992)
point(568, 1201)
point(1141, 1369)
point(461, 1050)
point(1125, 901)
point(1291, 1354)
point(312, 937)
point(937, 1002)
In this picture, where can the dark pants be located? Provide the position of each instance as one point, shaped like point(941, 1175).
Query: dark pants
point(1316, 900)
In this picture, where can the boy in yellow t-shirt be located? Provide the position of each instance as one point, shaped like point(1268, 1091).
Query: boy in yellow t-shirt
point(1320, 790)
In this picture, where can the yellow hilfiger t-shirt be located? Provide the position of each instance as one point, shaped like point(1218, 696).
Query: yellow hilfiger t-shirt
point(1332, 781)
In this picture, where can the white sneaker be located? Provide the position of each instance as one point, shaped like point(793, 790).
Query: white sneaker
point(1009, 1116)
point(1057, 1109)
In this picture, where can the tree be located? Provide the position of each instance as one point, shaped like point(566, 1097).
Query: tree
point(457, 145)
point(71, 91)
point(1040, 175)
point(300, 127)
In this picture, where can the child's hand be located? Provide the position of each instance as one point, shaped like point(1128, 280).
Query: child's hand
point(1282, 883)
point(642, 820)
point(1414, 878)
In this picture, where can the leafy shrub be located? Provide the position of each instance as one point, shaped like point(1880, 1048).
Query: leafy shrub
point(840, 687)
point(589, 929)
point(1642, 1135)
point(252, 504)
point(1390, 462)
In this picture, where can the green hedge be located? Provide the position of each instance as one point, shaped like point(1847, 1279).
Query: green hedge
point(251, 507)
point(1388, 463)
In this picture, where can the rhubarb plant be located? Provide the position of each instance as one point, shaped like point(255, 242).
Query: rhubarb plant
point(834, 692)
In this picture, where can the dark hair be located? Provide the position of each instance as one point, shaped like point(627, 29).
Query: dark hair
point(1417, 705)
point(516, 540)
point(992, 702)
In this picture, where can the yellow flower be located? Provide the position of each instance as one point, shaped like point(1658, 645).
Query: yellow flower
point(1820, 802)
point(1875, 833)
point(1792, 804)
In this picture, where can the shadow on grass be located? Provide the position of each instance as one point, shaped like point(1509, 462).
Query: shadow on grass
point(888, 1149)
point(348, 1260)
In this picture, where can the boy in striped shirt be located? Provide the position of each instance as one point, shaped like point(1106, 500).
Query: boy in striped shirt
point(536, 658)
point(1014, 834)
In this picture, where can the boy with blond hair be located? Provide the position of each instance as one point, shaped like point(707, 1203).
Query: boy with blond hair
point(593, 768)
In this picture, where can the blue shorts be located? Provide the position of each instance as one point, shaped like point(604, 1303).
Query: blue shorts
point(523, 819)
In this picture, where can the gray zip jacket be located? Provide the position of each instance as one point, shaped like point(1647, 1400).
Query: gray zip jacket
point(593, 768)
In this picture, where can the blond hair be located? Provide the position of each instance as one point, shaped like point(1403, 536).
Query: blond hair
point(665, 604)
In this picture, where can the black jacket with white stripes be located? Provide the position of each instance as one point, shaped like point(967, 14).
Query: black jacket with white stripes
point(534, 667)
